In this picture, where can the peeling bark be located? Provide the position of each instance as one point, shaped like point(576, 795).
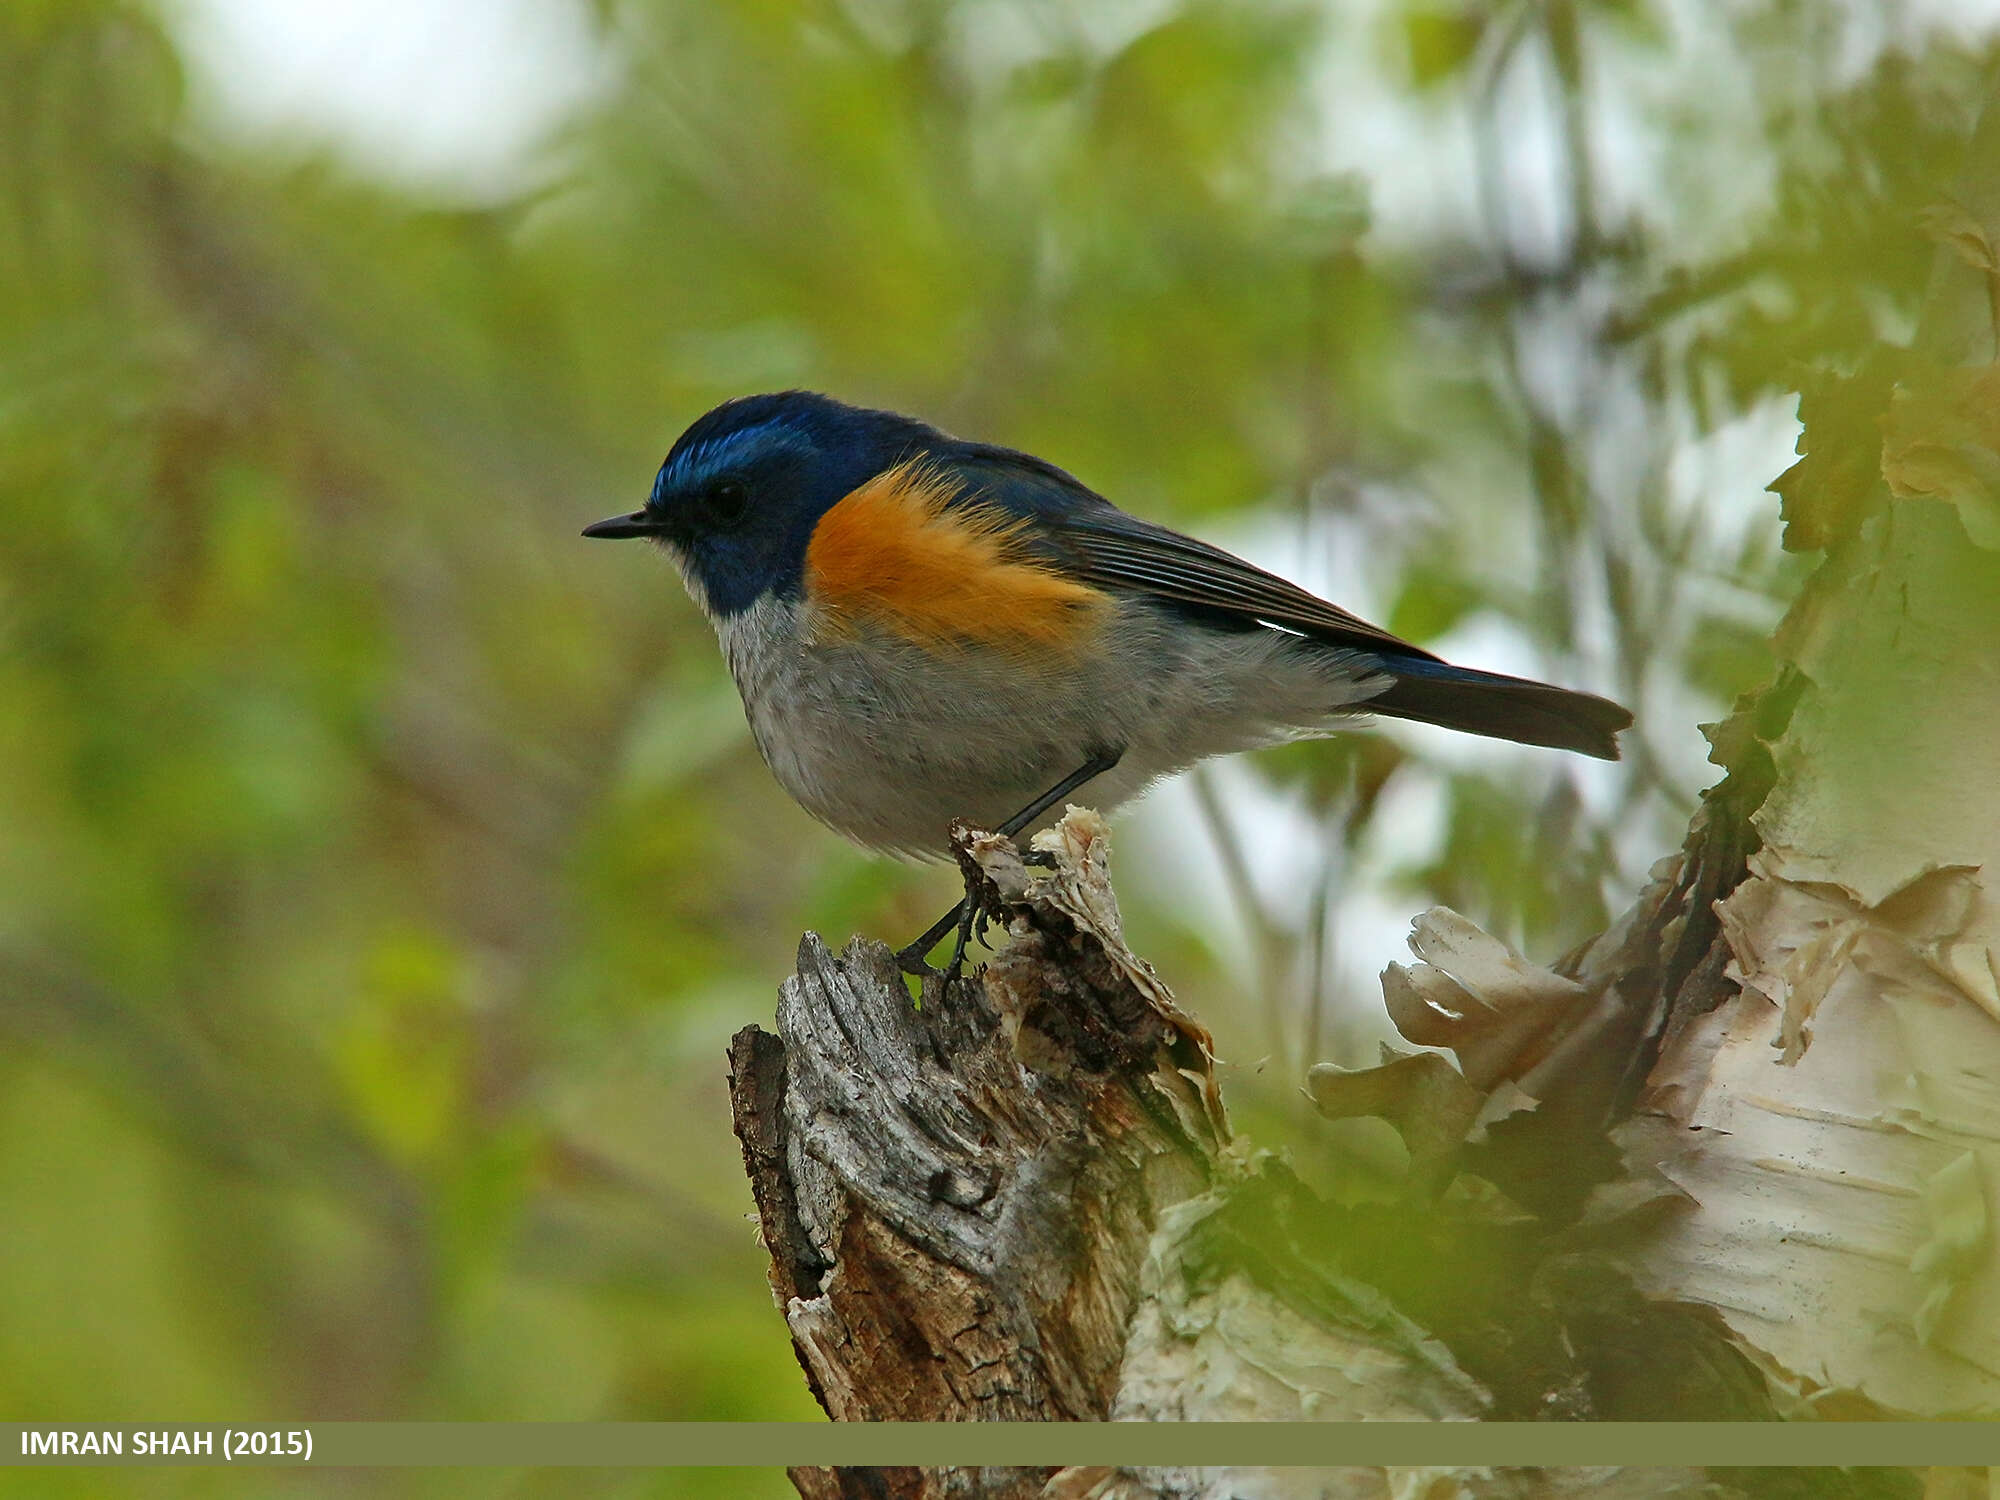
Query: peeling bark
point(1793, 1040)
point(1803, 1011)
point(1835, 1124)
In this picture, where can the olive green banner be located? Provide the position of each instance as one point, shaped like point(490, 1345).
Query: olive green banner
point(925, 1444)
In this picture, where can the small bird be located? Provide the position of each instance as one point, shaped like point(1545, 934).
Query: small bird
point(925, 628)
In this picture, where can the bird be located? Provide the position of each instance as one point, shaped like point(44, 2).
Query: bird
point(924, 627)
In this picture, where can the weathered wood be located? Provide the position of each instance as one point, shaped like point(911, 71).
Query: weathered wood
point(953, 1233)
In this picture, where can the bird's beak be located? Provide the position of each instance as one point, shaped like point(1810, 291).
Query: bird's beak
point(639, 523)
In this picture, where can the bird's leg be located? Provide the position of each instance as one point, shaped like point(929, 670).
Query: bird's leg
point(911, 959)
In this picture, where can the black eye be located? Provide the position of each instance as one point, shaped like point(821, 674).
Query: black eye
point(725, 503)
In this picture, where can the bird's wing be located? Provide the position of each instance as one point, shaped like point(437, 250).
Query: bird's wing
point(1097, 543)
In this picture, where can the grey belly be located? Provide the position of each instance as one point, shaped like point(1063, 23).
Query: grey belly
point(887, 743)
point(889, 751)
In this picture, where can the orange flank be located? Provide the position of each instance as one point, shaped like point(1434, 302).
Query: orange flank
point(893, 554)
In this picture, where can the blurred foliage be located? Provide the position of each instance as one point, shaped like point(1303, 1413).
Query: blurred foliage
point(385, 869)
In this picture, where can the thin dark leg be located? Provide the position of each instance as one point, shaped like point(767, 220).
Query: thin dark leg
point(911, 959)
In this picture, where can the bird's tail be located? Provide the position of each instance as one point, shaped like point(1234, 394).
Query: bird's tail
point(1505, 708)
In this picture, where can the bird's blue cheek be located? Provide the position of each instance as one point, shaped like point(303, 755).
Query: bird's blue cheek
point(735, 576)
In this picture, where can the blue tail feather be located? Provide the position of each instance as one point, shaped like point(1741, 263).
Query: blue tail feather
point(1502, 707)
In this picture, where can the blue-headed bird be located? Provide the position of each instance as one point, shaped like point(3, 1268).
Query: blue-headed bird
point(924, 628)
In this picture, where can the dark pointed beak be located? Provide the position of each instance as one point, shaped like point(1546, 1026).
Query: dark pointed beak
point(639, 523)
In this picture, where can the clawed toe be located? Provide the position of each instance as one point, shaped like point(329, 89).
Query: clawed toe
point(910, 961)
point(968, 918)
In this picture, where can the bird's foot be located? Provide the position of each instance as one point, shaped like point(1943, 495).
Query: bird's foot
point(968, 918)
point(910, 959)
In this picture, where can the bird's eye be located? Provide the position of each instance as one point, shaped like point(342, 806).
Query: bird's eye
point(726, 503)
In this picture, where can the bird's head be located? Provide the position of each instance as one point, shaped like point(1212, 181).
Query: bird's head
point(741, 490)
